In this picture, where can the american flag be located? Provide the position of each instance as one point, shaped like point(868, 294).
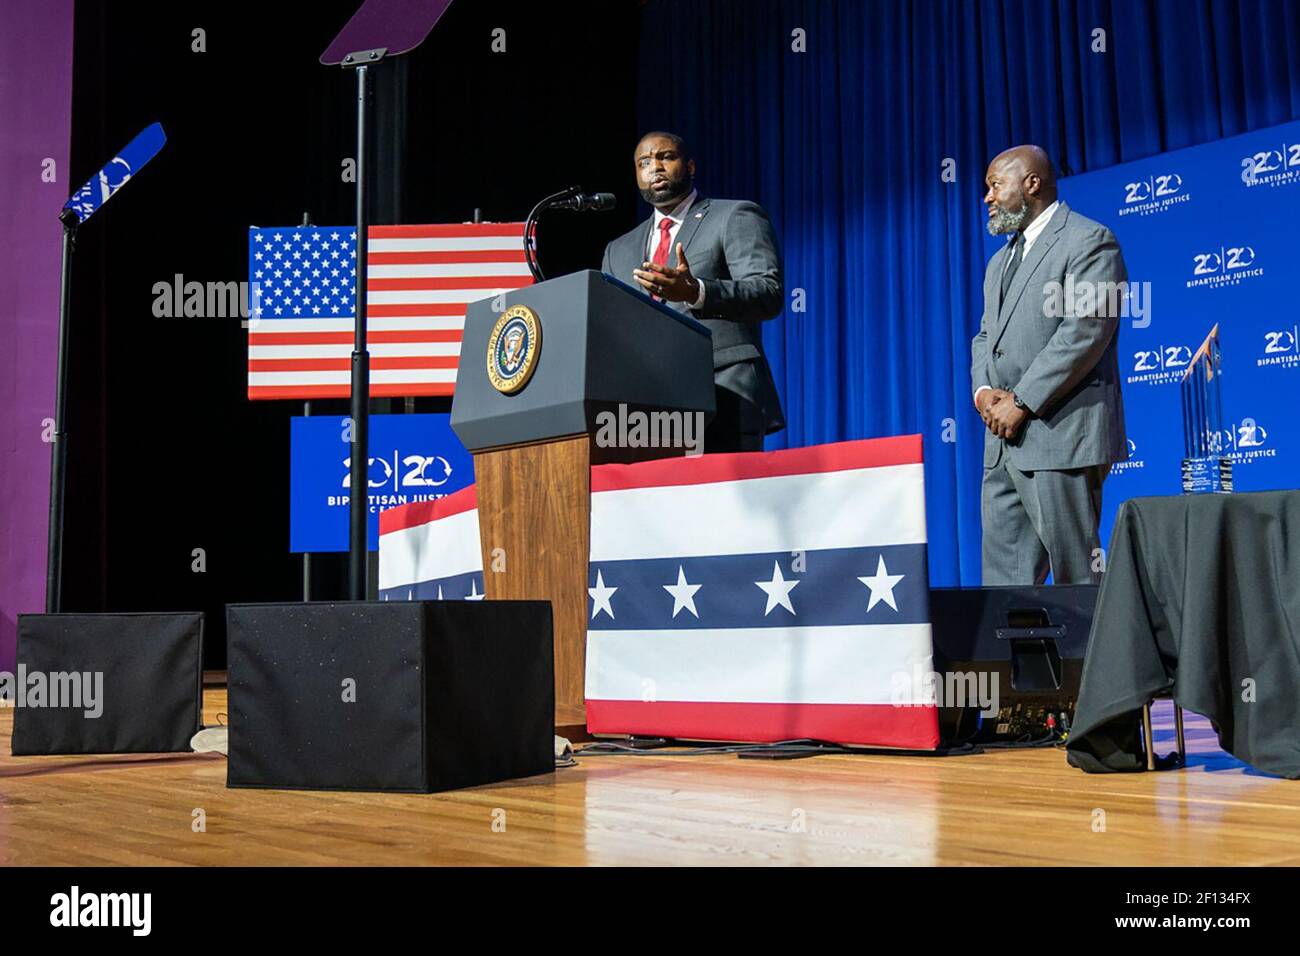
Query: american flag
point(302, 282)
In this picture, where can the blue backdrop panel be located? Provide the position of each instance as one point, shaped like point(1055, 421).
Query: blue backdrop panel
point(412, 458)
point(1210, 234)
point(864, 129)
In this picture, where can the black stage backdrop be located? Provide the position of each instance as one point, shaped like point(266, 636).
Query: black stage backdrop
point(166, 453)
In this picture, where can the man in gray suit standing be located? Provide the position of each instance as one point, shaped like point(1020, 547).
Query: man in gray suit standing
point(1045, 377)
point(731, 283)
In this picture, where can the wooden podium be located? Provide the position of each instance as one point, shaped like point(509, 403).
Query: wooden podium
point(598, 345)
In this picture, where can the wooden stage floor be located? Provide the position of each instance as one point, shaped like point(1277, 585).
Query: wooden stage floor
point(1020, 808)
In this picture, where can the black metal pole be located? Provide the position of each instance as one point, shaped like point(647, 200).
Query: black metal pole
point(59, 444)
point(306, 555)
point(306, 413)
point(359, 498)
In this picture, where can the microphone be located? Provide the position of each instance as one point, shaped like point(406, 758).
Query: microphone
point(572, 198)
point(585, 202)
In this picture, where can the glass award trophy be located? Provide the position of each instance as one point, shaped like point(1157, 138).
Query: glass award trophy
point(1205, 466)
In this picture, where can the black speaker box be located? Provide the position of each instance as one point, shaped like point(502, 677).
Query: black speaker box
point(112, 683)
point(1030, 641)
point(408, 696)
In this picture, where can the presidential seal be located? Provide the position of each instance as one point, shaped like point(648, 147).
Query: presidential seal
point(513, 348)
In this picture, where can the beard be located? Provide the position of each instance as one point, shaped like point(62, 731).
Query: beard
point(1004, 221)
point(673, 191)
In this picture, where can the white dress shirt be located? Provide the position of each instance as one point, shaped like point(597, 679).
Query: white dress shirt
point(1030, 233)
point(678, 216)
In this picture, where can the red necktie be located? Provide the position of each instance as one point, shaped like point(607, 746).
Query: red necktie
point(665, 242)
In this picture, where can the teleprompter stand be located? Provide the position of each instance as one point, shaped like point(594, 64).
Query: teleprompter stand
point(379, 30)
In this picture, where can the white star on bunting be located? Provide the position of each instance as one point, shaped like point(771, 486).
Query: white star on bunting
point(778, 590)
point(683, 593)
point(600, 596)
point(882, 585)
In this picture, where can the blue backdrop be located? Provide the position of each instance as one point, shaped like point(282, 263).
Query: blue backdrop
point(841, 118)
point(1209, 235)
point(412, 458)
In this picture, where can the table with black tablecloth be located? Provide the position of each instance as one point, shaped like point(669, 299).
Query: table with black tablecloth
point(1201, 598)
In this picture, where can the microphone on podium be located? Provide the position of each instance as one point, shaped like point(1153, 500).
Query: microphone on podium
point(584, 202)
point(573, 199)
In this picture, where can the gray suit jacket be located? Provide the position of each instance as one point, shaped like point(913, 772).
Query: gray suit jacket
point(732, 249)
point(1063, 366)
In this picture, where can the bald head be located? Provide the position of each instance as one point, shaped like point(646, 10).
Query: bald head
point(1021, 184)
point(1028, 161)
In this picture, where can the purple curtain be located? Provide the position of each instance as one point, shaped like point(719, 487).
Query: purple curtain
point(35, 124)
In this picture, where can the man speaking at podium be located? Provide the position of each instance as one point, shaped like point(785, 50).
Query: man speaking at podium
point(1045, 378)
point(716, 260)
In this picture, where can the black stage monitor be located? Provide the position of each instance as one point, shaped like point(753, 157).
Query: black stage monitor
point(1008, 659)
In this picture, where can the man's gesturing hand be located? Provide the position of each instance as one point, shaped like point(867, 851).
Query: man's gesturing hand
point(670, 284)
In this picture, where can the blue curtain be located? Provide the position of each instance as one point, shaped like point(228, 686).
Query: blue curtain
point(845, 144)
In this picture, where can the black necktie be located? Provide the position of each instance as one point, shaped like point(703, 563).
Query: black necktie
point(1014, 253)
